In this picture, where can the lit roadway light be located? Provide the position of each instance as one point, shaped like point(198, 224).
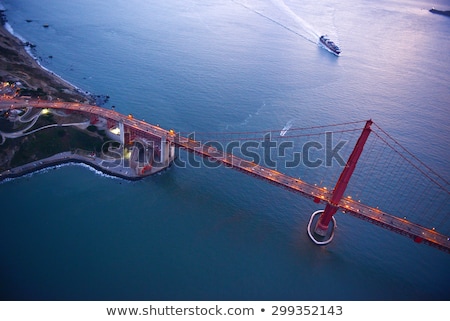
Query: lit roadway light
point(45, 111)
point(115, 131)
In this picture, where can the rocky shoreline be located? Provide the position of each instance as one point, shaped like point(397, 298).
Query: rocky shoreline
point(18, 66)
point(119, 171)
point(27, 76)
point(67, 158)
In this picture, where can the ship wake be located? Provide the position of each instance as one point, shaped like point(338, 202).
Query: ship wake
point(277, 12)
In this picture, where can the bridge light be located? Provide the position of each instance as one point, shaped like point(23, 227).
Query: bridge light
point(349, 197)
point(45, 111)
point(130, 116)
point(115, 130)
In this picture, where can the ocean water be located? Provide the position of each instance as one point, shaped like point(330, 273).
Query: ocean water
point(70, 233)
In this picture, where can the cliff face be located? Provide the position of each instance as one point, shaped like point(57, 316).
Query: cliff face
point(16, 65)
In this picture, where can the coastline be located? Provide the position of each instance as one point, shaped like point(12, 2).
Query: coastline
point(111, 165)
point(72, 158)
point(19, 67)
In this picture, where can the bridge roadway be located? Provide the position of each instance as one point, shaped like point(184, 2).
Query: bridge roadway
point(373, 215)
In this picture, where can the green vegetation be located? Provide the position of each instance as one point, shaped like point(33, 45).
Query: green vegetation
point(51, 141)
point(92, 128)
point(32, 93)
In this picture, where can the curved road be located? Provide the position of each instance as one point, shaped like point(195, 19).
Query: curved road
point(373, 215)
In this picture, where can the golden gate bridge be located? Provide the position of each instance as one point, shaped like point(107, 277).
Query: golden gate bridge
point(408, 197)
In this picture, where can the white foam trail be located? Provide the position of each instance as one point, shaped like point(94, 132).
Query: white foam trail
point(50, 168)
point(287, 127)
point(297, 26)
point(250, 116)
point(96, 171)
point(305, 25)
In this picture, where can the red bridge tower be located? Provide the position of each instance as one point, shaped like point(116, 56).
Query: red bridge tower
point(322, 226)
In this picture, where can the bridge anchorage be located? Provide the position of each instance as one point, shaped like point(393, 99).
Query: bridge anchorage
point(323, 232)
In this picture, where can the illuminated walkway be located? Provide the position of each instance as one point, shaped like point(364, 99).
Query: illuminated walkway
point(402, 226)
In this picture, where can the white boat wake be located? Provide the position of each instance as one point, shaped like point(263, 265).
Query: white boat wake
point(279, 13)
point(301, 22)
point(286, 127)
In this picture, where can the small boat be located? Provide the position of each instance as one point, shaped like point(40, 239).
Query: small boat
point(330, 45)
point(286, 128)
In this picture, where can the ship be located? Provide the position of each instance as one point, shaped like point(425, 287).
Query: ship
point(445, 13)
point(330, 45)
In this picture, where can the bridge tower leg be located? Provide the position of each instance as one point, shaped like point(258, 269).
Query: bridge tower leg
point(164, 151)
point(122, 133)
point(331, 208)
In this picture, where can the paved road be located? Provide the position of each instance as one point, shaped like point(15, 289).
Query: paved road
point(373, 215)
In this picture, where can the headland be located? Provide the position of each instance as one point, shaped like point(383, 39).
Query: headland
point(35, 138)
point(18, 67)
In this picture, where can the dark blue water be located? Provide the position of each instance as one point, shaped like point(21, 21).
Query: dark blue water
point(200, 234)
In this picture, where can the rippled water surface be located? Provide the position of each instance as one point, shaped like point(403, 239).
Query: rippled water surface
point(222, 65)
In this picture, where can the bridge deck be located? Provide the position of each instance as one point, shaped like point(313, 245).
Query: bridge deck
point(357, 209)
